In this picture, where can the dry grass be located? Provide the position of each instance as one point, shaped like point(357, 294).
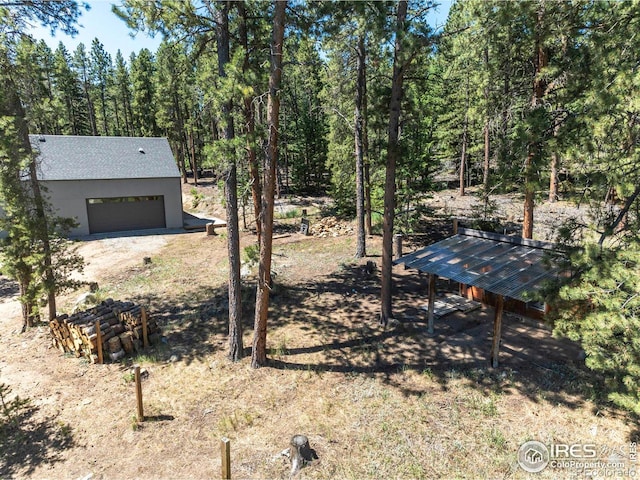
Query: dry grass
point(374, 402)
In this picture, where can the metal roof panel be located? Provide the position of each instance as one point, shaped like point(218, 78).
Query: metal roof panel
point(515, 270)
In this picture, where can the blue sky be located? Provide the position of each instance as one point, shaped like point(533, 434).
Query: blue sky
point(100, 23)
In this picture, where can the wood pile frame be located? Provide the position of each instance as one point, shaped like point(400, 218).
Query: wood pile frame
point(110, 330)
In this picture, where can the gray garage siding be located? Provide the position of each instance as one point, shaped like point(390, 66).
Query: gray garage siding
point(70, 197)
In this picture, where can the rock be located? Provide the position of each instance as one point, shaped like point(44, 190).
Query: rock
point(330, 227)
point(83, 300)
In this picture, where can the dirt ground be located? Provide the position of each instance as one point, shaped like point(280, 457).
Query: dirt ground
point(375, 402)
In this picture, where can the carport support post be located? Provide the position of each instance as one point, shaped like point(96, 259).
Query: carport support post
point(432, 301)
point(497, 328)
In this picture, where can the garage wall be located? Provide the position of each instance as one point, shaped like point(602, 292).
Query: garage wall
point(69, 197)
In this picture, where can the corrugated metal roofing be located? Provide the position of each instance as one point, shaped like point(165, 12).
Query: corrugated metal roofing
point(508, 266)
point(67, 157)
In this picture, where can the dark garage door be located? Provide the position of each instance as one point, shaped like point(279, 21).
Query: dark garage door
point(125, 213)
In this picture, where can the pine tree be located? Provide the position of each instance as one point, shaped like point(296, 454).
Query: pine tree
point(100, 70)
point(75, 119)
point(259, 350)
point(122, 94)
point(143, 94)
point(81, 65)
point(31, 243)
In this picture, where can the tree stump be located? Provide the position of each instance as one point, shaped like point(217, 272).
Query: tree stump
point(371, 267)
point(397, 245)
point(210, 228)
point(301, 453)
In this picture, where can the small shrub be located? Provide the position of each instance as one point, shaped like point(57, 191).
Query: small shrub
point(10, 411)
point(295, 213)
point(251, 254)
point(197, 197)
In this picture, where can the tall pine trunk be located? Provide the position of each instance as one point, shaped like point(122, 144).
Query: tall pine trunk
point(231, 192)
point(259, 350)
point(250, 124)
point(553, 173)
point(42, 231)
point(12, 107)
point(463, 157)
point(487, 146)
point(361, 249)
point(553, 181)
point(367, 166)
point(90, 108)
point(393, 154)
point(535, 147)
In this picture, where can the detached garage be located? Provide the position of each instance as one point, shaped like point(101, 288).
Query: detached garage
point(110, 184)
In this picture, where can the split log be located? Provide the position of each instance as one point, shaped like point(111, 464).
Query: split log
point(114, 345)
point(77, 333)
point(127, 342)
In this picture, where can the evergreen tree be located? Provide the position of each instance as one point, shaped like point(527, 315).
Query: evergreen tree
point(68, 89)
point(599, 305)
point(33, 75)
point(100, 75)
point(143, 94)
point(304, 146)
point(121, 93)
point(172, 82)
point(31, 245)
point(259, 350)
point(82, 64)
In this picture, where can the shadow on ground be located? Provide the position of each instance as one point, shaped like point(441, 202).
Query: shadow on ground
point(8, 287)
point(331, 324)
point(27, 441)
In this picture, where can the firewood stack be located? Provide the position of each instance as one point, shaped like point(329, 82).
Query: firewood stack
point(330, 227)
point(122, 331)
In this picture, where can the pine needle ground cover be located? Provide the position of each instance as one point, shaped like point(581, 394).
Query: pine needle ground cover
point(374, 402)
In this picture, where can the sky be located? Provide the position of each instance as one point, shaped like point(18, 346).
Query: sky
point(99, 22)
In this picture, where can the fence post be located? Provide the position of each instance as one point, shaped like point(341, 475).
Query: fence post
point(145, 335)
point(136, 369)
point(225, 455)
point(99, 342)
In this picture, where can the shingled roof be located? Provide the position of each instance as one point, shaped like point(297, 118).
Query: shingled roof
point(66, 157)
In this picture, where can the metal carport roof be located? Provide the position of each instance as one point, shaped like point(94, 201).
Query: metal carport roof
point(509, 266)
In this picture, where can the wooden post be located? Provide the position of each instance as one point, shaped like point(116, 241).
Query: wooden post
point(99, 342)
point(225, 455)
point(136, 369)
point(455, 226)
point(432, 301)
point(145, 335)
point(397, 245)
point(497, 328)
point(469, 292)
